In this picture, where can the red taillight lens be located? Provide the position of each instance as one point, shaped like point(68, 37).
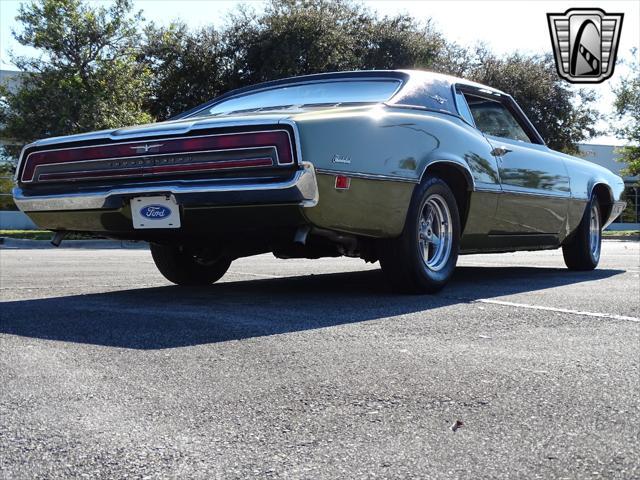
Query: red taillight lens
point(343, 182)
point(278, 139)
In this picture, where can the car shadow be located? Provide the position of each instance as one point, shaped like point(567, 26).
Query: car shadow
point(169, 317)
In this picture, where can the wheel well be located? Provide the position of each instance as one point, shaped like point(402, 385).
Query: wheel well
point(457, 181)
point(605, 200)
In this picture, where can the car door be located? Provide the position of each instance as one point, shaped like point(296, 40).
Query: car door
point(534, 202)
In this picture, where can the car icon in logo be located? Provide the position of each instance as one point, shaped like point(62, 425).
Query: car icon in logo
point(155, 212)
point(585, 43)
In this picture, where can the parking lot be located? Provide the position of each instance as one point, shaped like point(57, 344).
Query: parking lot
point(313, 369)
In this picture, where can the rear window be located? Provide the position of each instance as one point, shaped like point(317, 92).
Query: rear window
point(317, 93)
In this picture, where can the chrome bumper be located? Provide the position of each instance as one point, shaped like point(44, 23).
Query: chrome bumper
point(302, 188)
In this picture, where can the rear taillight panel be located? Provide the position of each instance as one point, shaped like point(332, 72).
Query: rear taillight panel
point(150, 157)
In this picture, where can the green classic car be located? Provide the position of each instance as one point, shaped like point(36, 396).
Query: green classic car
point(410, 168)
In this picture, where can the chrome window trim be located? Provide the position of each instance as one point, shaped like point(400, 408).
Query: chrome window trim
point(506, 100)
point(454, 91)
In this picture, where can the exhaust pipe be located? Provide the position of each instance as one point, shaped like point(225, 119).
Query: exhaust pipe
point(301, 235)
point(57, 238)
point(347, 244)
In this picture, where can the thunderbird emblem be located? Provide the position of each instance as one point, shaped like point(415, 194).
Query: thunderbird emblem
point(585, 43)
point(146, 148)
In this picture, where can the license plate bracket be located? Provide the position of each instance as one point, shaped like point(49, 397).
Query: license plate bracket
point(159, 211)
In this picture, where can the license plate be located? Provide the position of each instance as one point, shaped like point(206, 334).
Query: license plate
point(155, 212)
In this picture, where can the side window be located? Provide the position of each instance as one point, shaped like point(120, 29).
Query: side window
point(493, 118)
point(463, 108)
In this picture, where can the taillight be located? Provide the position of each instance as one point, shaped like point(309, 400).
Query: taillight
point(141, 150)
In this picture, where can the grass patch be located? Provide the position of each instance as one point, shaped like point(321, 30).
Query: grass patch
point(621, 233)
point(44, 235)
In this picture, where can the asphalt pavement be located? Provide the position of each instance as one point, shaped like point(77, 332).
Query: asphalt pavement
point(314, 369)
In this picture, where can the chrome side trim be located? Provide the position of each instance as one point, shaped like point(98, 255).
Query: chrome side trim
point(368, 176)
point(503, 191)
point(486, 189)
point(566, 195)
point(304, 181)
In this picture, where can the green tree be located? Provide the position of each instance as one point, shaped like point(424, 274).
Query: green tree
point(627, 111)
point(6, 185)
point(187, 67)
point(291, 37)
point(97, 71)
point(86, 78)
point(297, 37)
point(563, 116)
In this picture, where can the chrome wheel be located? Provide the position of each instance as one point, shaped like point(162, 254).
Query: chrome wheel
point(594, 232)
point(435, 232)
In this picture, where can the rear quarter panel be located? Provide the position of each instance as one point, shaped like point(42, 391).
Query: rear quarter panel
point(388, 150)
point(584, 176)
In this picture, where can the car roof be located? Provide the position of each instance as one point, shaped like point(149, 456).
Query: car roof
point(450, 79)
point(407, 76)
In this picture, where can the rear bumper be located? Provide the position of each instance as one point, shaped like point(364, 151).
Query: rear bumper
point(301, 189)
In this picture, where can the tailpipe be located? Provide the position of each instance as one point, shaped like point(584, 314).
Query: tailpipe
point(57, 238)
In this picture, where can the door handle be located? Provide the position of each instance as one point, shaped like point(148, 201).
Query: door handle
point(500, 151)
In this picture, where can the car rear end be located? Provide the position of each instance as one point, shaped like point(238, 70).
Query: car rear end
point(186, 180)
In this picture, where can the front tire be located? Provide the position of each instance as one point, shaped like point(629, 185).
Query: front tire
point(423, 258)
point(181, 266)
point(582, 252)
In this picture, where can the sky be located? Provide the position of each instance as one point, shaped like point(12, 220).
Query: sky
point(503, 25)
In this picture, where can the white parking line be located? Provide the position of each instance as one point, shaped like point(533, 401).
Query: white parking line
point(503, 303)
point(559, 310)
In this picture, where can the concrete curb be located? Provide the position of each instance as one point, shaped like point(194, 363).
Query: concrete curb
point(626, 238)
point(21, 243)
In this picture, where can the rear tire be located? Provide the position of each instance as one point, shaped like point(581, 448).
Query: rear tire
point(423, 258)
point(183, 267)
point(582, 252)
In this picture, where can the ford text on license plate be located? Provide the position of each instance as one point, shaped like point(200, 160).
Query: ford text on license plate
point(155, 212)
